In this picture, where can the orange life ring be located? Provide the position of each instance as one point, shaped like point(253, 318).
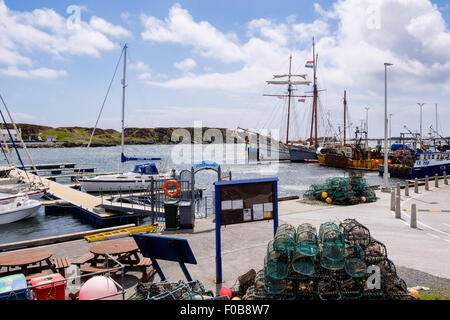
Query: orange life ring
point(177, 186)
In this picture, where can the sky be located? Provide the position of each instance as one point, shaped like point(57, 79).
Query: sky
point(209, 61)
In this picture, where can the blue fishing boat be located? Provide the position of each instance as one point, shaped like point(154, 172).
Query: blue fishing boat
point(425, 164)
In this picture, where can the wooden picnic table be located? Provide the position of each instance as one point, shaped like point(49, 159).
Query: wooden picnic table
point(26, 259)
point(124, 250)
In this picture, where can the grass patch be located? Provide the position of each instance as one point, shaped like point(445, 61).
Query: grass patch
point(435, 294)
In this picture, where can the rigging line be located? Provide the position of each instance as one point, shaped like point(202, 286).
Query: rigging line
point(21, 140)
point(272, 114)
point(104, 101)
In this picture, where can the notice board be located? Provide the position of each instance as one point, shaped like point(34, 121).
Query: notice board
point(246, 201)
point(243, 201)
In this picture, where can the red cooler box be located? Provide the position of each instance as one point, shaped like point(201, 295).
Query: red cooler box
point(47, 290)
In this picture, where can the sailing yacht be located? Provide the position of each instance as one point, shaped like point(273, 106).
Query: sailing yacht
point(142, 175)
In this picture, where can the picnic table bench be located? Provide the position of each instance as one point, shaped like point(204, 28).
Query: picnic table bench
point(29, 261)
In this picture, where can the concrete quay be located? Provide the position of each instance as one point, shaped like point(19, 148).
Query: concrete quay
point(421, 255)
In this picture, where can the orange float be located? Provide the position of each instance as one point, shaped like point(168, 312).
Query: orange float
point(174, 183)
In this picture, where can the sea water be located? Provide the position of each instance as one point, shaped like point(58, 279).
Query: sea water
point(294, 179)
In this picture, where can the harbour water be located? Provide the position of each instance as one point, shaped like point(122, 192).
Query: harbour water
point(294, 179)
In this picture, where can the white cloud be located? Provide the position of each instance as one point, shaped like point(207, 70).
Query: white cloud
point(353, 38)
point(44, 30)
point(180, 27)
point(40, 73)
point(185, 65)
point(144, 71)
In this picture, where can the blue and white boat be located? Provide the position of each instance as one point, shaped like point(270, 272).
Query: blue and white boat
point(426, 164)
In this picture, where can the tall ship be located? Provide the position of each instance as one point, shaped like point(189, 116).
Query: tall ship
point(302, 152)
point(299, 151)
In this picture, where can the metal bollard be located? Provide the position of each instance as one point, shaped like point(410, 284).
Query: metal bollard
point(392, 199)
point(413, 222)
point(398, 189)
point(427, 186)
point(445, 178)
point(407, 188)
point(416, 185)
point(398, 208)
point(436, 180)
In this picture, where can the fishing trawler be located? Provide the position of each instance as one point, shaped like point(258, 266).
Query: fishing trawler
point(357, 156)
point(142, 175)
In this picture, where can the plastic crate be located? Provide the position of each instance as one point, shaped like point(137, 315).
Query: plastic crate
point(9, 285)
point(48, 290)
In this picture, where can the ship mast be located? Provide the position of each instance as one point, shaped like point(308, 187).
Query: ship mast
point(345, 116)
point(290, 82)
point(314, 111)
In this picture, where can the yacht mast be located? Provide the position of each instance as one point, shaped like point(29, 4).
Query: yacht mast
point(124, 85)
point(345, 116)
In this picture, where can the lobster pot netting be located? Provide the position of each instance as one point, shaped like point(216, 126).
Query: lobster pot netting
point(302, 264)
point(164, 290)
point(257, 291)
point(274, 286)
point(355, 233)
point(354, 264)
point(284, 238)
point(276, 262)
point(332, 242)
point(328, 289)
point(375, 252)
point(306, 240)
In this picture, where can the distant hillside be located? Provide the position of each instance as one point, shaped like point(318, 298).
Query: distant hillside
point(79, 136)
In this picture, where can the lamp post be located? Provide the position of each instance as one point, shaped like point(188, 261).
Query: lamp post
point(390, 128)
point(386, 168)
point(367, 126)
point(420, 105)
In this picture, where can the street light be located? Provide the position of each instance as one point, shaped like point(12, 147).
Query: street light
point(390, 128)
point(420, 105)
point(367, 126)
point(386, 168)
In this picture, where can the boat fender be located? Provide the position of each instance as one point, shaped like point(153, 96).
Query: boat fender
point(174, 183)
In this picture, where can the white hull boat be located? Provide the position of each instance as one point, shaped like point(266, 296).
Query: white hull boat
point(32, 194)
point(21, 208)
point(130, 181)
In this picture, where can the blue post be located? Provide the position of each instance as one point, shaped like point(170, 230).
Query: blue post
point(275, 209)
point(218, 245)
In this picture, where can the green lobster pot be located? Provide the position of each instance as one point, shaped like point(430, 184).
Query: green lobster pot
point(354, 265)
point(276, 262)
point(273, 286)
point(306, 240)
point(284, 238)
point(330, 264)
point(303, 264)
point(332, 239)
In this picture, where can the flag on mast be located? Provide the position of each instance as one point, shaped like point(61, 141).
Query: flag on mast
point(309, 64)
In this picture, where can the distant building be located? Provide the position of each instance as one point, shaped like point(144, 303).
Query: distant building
point(51, 138)
point(4, 135)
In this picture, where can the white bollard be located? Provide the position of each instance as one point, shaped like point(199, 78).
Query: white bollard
point(413, 216)
point(398, 214)
point(398, 189)
point(407, 188)
point(392, 199)
point(427, 186)
point(416, 185)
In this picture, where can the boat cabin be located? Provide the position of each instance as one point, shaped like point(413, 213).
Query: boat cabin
point(146, 168)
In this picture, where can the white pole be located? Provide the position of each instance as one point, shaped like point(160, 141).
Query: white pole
point(386, 168)
point(420, 105)
point(124, 85)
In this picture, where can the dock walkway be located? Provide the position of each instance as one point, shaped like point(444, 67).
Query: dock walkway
point(89, 205)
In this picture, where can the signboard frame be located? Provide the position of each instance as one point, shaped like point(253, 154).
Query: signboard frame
point(239, 188)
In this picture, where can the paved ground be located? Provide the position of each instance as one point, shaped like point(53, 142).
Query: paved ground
point(422, 255)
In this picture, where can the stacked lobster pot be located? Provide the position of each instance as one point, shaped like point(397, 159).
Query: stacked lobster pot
point(341, 261)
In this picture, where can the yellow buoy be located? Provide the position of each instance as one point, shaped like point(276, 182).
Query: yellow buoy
point(324, 195)
point(329, 200)
point(414, 293)
point(236, 298)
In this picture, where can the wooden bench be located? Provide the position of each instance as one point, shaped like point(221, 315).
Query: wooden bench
point(61, 264)
point(90, 269)
point(143, 264)
point(84, 259)
point(35, 275)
